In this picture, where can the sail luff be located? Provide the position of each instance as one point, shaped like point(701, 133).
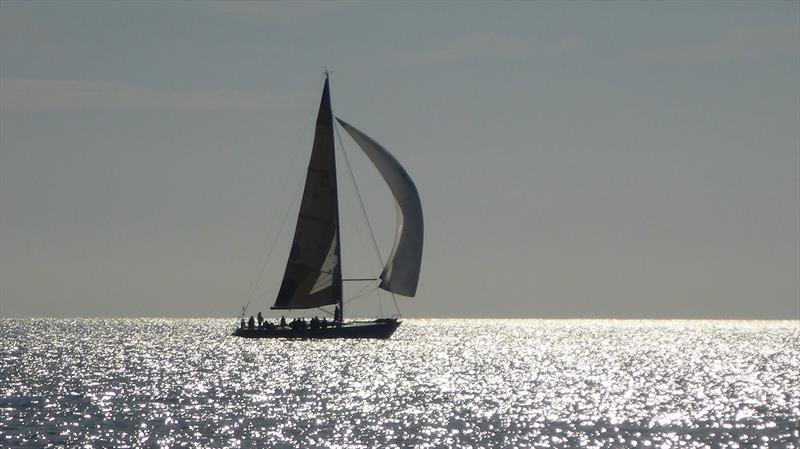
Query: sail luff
point(401, 273)
point(313, 275)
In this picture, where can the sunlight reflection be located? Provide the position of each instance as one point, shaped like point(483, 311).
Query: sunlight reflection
point(457, 383)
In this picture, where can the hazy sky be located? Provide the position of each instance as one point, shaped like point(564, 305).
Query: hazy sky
point(574, 159)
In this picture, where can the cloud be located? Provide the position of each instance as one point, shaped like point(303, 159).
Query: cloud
point(481, 43)
point(33, 94)
point(491, 44)
point(736, 44)
point(277, 10)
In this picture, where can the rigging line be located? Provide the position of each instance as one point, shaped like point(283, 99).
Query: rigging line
point(263, 297)
point(371, 285)
point(257, 276)
point(358, 223)
point(364, 211)
point(326, 311)
point(394, 298)
point(265, 261)
point(348, 300)
point(358, 194)
point(380, 305)
point(398, 221)
point(355, 184)
point(272, 248)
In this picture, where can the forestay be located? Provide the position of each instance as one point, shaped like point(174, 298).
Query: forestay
point(401, 273)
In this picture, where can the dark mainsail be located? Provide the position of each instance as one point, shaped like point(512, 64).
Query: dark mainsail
point(313, 274)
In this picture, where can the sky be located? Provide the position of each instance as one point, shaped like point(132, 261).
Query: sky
point(574, 159)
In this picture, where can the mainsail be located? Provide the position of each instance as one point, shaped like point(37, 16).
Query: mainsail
point(401, 273)
point(313, 274)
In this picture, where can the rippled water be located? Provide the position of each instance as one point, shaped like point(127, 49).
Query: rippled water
point(436, 383)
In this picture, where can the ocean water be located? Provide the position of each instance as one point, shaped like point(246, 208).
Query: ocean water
point(437, 383)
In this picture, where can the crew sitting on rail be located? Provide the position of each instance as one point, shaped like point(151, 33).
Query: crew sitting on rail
point(299, 323)
point(251, 323)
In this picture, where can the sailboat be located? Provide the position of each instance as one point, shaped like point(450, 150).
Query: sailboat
point(313, 275)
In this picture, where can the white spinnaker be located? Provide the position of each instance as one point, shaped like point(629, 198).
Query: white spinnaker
point(401, 273)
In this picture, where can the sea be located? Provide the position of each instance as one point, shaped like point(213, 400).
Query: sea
point(438, 383)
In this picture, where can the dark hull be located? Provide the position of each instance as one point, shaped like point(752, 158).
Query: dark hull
point(383, 328)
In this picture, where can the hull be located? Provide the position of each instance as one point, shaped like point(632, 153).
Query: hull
point(382, 329)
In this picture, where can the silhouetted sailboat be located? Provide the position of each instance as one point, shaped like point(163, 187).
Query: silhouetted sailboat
point(313, 276)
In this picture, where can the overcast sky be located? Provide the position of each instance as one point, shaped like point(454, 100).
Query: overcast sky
point(574, 159)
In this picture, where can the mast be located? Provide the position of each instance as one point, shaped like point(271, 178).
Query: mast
point(336, 198)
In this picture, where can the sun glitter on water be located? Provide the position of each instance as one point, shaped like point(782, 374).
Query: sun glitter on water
point(436, 383)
